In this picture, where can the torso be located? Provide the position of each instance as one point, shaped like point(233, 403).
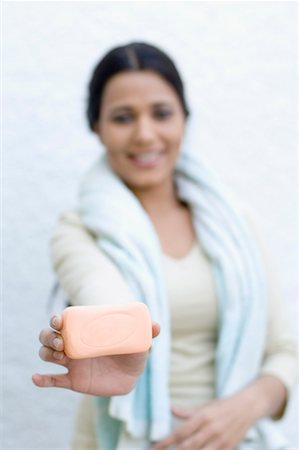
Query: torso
point(193, 308)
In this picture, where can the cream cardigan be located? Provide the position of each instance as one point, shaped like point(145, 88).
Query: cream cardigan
point(88, 277)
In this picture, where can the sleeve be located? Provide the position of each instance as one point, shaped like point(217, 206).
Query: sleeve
point(84, 272)
point(281, 352)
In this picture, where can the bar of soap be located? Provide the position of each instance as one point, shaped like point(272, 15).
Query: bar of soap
point(91, 331)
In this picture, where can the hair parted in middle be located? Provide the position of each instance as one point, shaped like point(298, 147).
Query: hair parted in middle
point(132, 56)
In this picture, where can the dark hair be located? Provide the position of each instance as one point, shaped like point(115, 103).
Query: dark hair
point(133, 56)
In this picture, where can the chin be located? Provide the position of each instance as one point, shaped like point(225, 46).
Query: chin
point(145, 183)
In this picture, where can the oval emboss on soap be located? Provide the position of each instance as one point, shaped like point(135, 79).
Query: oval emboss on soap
point(109, 329)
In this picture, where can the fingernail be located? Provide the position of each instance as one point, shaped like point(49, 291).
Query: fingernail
point(56, 342)
point(54, 321)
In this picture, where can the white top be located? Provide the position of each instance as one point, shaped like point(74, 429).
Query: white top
point(89, 277)
point(194, 317)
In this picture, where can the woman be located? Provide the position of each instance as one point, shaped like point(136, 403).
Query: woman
point(154, 225)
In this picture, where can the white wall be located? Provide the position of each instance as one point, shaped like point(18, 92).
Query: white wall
point(238, 61)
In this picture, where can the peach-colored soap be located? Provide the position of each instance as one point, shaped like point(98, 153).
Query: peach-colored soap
point(90, 331)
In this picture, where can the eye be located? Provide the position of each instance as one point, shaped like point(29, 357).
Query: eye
point(122, 118)
point(162, 114)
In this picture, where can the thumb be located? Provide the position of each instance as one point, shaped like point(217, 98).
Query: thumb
point(183, 413)
point(53, 380)
point(155, 329)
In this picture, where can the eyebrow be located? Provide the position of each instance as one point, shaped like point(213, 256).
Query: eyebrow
point(129, 108)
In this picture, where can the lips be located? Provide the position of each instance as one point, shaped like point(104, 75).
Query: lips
point(147, 159)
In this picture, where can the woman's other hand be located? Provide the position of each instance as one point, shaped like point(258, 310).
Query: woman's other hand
point(102, 376)
point(223, 423)
point(220, 424)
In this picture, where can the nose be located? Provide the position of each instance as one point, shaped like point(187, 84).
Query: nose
point(144, 131)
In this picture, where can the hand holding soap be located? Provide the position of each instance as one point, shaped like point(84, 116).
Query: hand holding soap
point(91, 331)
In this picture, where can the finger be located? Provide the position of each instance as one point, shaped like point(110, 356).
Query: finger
point(49, 355)
point(53, 380)
point(206, 439)
point(183, 413)
point(181, 433)
point(216, 446)
point(155, 329)
point(203, 440)
point(162, 445)
point(56, 322)
point(51, 339)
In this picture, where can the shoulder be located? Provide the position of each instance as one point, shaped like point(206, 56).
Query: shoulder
point(253, 223)
point(71, 218)
point(86, 273)
point(69, 225)
point(72, 241)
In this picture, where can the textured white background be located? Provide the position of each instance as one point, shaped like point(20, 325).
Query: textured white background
point(238, 61)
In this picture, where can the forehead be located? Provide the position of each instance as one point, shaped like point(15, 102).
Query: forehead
point(136, 87)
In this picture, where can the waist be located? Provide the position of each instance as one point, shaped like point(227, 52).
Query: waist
point(191, 380)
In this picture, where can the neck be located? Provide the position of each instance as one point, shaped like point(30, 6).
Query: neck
point(158, 200)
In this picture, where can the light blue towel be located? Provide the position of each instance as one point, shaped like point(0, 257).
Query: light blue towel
point(125, 233)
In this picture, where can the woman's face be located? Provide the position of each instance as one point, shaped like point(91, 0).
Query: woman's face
point(141, 125)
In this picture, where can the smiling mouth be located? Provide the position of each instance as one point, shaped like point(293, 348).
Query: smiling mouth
point(147, 159)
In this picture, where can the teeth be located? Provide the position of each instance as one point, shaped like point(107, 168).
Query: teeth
point(147, 157)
